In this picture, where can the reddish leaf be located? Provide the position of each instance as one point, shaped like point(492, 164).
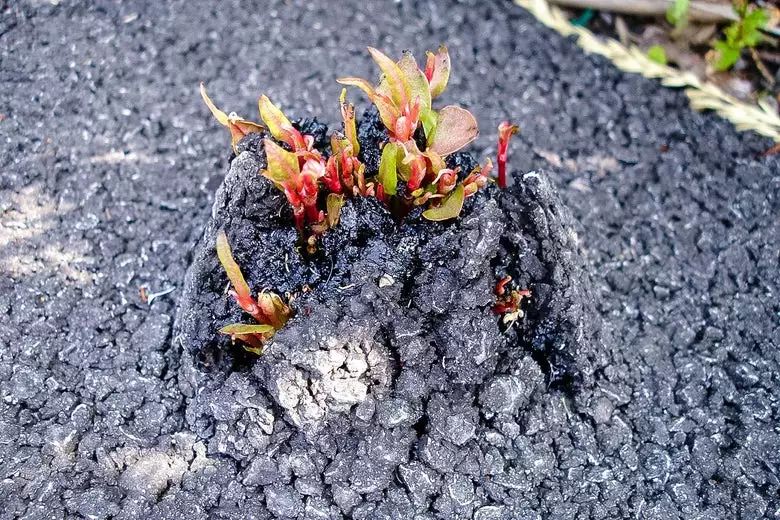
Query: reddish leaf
point(505, 131)
point(437, 70)
point(456, 127)
point(238, 126)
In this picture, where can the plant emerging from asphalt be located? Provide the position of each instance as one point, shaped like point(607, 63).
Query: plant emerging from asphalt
point(420, 138)
point(404, 98)
point(412, 169)
point(508, 300)
point(268, 309)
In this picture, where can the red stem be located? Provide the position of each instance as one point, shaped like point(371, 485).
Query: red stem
point(299, 220)
point(250, 306)
point(331, 178)
point(502, 170)
point(501, 285)
point(312, 213)
point(505, 131)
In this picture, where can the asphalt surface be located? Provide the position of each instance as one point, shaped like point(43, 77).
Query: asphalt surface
point(108, 167)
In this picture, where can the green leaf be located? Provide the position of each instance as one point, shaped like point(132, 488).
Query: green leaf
point(277, 122)
point(415, 79)
point(428, 118)
point(657, 54)
point(388, 172)
point(752, 24)
point(396, 81)
point(333, 203)
point(225, 255)
point(677, 14)
point(450, 207)
point(240, 329)
point(282, 165)
point(727, 55)
point(455, 128)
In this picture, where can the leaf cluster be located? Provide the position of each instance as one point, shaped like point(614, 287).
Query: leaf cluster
point(744, 33)
point(316, 185)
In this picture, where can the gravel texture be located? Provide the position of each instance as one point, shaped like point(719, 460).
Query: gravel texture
point(107, 173)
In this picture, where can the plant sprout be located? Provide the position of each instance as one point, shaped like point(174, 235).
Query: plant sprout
point(238, 126)
point(508, 301)
point(412, 171)
point(268, 309)
point(505, 131)
point(403, 98)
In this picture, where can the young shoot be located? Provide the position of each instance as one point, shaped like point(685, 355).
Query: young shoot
point(237, 126)
point(268, 309)
point(403, 98)
point(505, 131)
point(508, 301)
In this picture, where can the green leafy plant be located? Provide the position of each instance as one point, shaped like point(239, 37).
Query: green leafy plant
point(268, 309)
point(677, 14)
point(744, 33)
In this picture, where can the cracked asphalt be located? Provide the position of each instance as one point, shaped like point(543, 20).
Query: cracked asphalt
point(108, 167)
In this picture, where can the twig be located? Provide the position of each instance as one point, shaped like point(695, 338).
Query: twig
point(773, 57)
point(762, 67)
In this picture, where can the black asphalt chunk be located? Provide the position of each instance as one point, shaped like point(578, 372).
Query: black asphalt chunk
point(108, 171)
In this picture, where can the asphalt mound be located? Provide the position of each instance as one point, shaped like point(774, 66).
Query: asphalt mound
point(395, 378)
